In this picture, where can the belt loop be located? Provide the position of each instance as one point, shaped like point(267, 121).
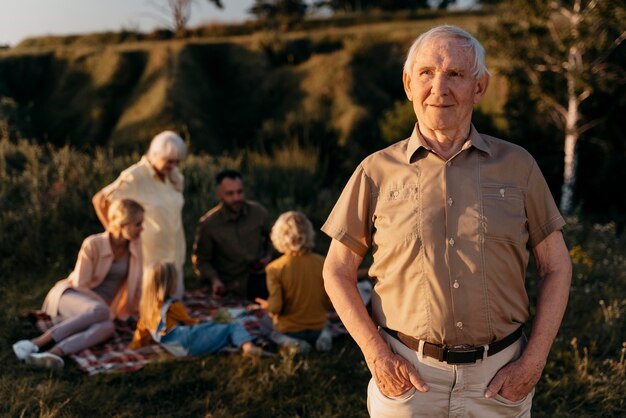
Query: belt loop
point(485, 352)
point(420, 351)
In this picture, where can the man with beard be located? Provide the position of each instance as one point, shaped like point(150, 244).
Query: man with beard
point(231, 248)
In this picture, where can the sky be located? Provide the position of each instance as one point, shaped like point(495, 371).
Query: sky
point(20, 19)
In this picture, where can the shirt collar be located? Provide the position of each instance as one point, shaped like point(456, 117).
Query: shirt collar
point(227, 215)
point(416, 141)
point(151, 170)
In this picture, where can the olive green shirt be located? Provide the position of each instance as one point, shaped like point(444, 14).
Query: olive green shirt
point(226, 247)
point(450, 240)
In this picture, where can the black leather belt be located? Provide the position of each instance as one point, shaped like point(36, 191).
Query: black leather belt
point(458, 354)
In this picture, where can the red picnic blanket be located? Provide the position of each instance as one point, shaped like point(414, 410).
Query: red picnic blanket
point(114, 356)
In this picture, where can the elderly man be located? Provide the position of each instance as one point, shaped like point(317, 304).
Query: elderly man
point(450, 216)
point(231, 248)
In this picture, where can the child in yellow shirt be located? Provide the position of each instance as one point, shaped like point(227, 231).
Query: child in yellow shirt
point(297, 299)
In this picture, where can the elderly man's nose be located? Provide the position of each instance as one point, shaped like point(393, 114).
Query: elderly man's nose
point(440, 85)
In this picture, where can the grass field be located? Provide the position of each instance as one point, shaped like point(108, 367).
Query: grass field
point(306, 101)
point(45, 213)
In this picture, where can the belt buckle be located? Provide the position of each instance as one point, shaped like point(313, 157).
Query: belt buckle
point(461, 349)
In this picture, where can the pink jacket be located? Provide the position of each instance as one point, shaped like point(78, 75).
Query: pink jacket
point(93, 264)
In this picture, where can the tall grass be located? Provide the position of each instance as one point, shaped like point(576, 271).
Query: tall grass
point(45, 195)
point(586, 373)
point(45, 212)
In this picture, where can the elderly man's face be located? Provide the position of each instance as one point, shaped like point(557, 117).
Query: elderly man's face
point(442, 87)
point(230, 192)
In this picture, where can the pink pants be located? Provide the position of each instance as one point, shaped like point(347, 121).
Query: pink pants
point(456, 390)
point(85, 322)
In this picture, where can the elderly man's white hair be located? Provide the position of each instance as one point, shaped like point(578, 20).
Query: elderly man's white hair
point(167, 144)
point(479, 68)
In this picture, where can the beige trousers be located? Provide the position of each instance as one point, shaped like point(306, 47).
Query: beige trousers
point(456, 390)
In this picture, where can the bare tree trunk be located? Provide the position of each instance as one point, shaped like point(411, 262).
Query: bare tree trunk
point(569, 170)
point(573, 68)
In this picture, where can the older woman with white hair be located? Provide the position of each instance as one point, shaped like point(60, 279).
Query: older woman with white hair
point(157, 184)
point(105, 284)
point(297, 299)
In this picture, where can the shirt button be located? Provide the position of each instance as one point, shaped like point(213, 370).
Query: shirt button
point(449, 163)
point(451, 241)
point(456, 284)
point(395, 194)
point(450, 201)
point(459, 324)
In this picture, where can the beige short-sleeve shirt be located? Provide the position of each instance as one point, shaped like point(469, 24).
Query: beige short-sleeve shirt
point(450, 240)
point(163, 236)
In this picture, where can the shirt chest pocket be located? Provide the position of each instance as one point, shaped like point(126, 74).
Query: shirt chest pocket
point(503, 213)
point(395, 215)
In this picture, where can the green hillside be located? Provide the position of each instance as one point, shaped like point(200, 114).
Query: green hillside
point(328, 87)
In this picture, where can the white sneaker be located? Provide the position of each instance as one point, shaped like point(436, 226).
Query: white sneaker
point(45, 360)
point(298, 345)
point(325, 341)
point(23, 348)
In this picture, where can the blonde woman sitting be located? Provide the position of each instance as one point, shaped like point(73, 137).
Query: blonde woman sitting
point(297, 299)
point(105, 284)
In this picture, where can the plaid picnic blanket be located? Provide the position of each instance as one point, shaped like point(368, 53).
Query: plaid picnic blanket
point(114, 356)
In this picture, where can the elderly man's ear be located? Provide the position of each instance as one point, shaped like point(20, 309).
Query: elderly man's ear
point(406, 81)
point(481, 88)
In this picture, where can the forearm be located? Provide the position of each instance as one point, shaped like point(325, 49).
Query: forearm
point(515, 380)
point(354, 316)
point(340, 277)
point(551, 303)
point(100, 205)
point(202, 254)
point(209, 272)
point(203, 267)
point(393, 374)
point(555, 274)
